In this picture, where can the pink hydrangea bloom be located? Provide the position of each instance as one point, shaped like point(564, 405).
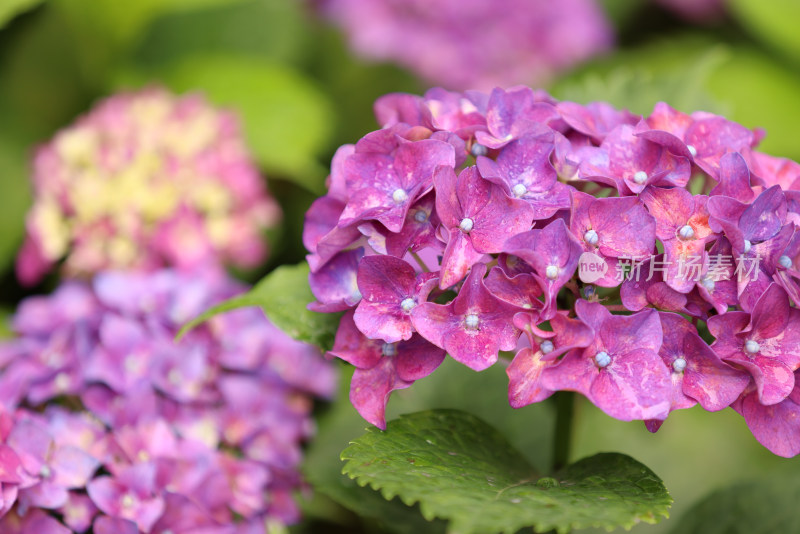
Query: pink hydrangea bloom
point(594, 245)
point(107, 422)
point(146, 180)
point(474, 44)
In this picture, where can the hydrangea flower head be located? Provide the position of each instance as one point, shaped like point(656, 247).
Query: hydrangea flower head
point(474, 44)
point(146, 180)
point(648, 263)
point(107, 422)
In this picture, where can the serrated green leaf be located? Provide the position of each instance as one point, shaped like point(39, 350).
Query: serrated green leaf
point(461, 469)
point(11, 8)
point(774, 21)
point(529, 429)
point(763, 506)
point(283, 295)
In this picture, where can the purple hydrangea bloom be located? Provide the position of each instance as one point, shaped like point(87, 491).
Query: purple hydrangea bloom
point(549, 217)
point(170, 184)
point(466, 44)
point(147, 429)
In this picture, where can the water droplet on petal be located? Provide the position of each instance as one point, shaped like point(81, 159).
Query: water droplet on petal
point(692, 150)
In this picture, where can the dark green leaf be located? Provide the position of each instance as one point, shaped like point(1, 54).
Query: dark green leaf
point(283, 295)
point(11, 8)
point(764, 506)
point(529, 429)
point(461, 469)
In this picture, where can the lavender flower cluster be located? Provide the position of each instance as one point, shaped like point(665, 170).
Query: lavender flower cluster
point(146, 180)
point(107, 423)
point(458, 227)
point(475, 43)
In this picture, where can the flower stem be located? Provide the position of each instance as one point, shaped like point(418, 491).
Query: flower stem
point(565, 404)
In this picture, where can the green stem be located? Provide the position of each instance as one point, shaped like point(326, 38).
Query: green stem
point(565, 407)
point(420, 262)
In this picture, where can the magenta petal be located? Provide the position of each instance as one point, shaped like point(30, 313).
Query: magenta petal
point(113, 525)
point(417, 358)
point(370, 390)
point(635, 386)
point(354, 347)
point(524, 378)
point(776, 427)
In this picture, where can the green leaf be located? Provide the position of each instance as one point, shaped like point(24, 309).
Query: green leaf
point(11, 8)
point(283, 296)
point(528, 429)
point(461, 469)
point(276, 29)
point(286, 118)
point(774, 21)
point(763, 506)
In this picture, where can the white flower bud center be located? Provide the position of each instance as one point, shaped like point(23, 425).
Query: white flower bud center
point(389, 350)
point(679, 364)
point(421, 216)
point(602, 359)
point(591, 237)
point(547, 346)
point(472, 321)
point(686, 232)
point(747, 245)
point(466, 225)
point(408, 304)
point(785, 262)
point(751, 346)
point(519, 190)
point(128, 500)
point(478, 150)
point(45, 471)
point(640, 177)
point(399, 196)
point(692, 150)
point(551, 272)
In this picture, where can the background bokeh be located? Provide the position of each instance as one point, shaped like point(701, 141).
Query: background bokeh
point(302, 92)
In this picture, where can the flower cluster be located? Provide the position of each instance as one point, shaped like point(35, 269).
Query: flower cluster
point(460, 225)
point(475, 44)
point(146, 180)
point(108, 423)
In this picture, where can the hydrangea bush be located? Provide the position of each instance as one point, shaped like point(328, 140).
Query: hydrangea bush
point(464, 44)
point(146, 180)
point(648, 263)
point(107, 423)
